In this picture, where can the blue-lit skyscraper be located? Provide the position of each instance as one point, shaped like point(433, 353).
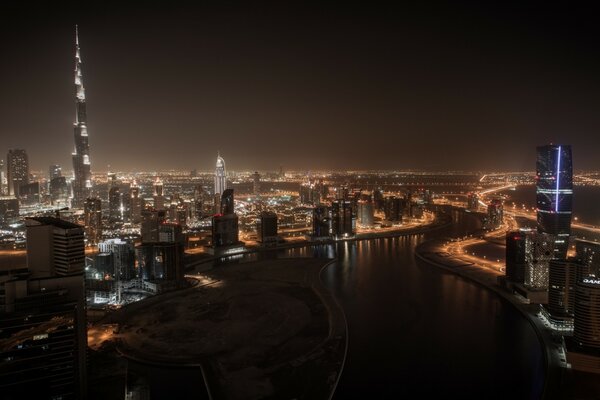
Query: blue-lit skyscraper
point(554, 190)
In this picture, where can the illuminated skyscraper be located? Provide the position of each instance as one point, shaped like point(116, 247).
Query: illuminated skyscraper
point(136, 203)
point(54, 171)
point(220, 176)
point(554, 189)
point(342, 222)
point(92, 211)
point(17, 170)
point(82, 176)
point(114, 204)
point(159, 198)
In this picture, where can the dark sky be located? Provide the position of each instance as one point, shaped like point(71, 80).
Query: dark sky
point(305, 85)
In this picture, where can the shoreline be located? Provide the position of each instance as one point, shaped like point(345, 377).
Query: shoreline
point(325, 357)
point(526, 310)
point(440, 221)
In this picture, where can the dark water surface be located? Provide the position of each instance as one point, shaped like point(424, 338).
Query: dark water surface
point(416, 331)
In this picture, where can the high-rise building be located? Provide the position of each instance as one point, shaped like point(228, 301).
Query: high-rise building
point(561, 288)
point(151, 220)
point(266, 228)
point(54, 171)
point(43, 317)
point(554, 192)
point(198, 204)
point(587, 313)
point(9, 209)
point(393, 208)
point(220, 176)
point(473, 201)
point(225, 225)
point(92, 212)
point(114, 204)
point(515, 256)
point(588, 252)
point(136, 204)
point(343, 224)
point(159, 198)
point(54, 247)
point(2, 178)
point(224, 230)
point(29, 193)
point(539, 250)
point(59, 191)
point(160, 255)
point(82, 175)
point(365, 213)
point(123, 258)
point(227, 202)
point(495, 214)
point(17, 171)
point(378, 199)
point(320, 221)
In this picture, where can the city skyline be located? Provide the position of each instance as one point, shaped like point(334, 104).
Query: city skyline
point(423, 81)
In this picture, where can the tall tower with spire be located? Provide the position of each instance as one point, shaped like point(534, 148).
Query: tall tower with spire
point(220, 176)
point(82, 176)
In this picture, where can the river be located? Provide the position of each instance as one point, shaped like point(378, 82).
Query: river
point(415, 329)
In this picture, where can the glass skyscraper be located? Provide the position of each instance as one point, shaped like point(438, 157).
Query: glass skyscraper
point(554, 191)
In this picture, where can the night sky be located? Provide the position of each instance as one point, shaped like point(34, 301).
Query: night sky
point(305, 85)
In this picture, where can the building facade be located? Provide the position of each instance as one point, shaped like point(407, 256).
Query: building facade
point(554, 194)
point(82, 175)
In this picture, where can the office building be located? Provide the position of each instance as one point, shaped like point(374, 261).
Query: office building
point(114, 204)
point(587, 313)
point(43, 317)
point(220, 176)
point(123, 258)
point(159, 198)
point(227, 202)
point(539, 250)
point(54, 247)
point(515, 256)
point(561, 289)
point(393, 208)
point(365, 213)
point(320, 222)
point(54, 171)
point(343, 225)
point(224, 230)
point(92, 211)
point(59, 191)
point(588, 252)
point(473, 201)
point(151, 220)
point(2, 179)
point(554, 194)
point(82, 175)
point(309, 193)
point(136, 204)
point(162, 260)
point(9, 209)
point(378, 199)
point(17, 171)
point(267, 228)
point(495, 214)
point(198, 204)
